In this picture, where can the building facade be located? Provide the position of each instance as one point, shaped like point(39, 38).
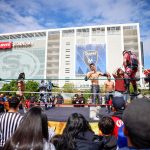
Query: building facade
point(63, 55)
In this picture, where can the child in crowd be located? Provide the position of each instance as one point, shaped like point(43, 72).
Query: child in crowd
point(106, 126)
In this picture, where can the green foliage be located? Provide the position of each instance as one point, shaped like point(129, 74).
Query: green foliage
point(86, 96)
point(12, 86)
point(69, 88)
point(31, 86)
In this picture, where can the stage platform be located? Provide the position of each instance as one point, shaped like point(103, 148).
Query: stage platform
point(61, 114)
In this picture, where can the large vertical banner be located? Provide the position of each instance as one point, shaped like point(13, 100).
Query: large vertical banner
point(90, 53)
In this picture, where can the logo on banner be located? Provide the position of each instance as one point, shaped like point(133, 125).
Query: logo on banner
point(5, 45)
point(19, 61)
point(90, 56)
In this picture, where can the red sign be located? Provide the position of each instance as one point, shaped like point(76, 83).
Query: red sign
point(5, 45)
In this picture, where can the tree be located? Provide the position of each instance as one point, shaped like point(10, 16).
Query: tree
point(12, 86)
point(69, 88)
point(31, 86)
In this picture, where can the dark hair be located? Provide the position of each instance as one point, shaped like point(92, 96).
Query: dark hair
point(31, 132)
point(76, 124)
point(106, 125)
point(21, 76)
point(13, 102)
point(91, 64)
point(57, 140)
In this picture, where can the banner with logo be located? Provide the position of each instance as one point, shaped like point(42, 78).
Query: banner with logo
point(90, 53)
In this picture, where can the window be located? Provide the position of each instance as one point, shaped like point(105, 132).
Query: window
point(67, 43)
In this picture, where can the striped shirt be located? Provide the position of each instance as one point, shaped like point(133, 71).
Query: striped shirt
point(8, 124)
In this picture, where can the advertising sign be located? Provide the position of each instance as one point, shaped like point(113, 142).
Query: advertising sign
point(5, 45)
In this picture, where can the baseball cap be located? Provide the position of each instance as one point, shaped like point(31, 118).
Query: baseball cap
point(136, 118)
point(118, 103)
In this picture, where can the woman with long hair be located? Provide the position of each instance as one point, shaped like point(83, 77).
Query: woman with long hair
point(32, 134)
point(77, 134)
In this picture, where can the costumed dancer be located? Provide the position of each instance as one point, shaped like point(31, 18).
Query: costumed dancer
point(130, 63)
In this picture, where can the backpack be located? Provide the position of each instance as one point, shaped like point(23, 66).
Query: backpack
point(133, 61)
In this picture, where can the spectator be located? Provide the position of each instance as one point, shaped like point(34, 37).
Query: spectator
point(78, 134)
point(1, 104)
point(137, 126)
point(32, 133)
point(75, 100)
point(118, 106)
point(59, 98)
point(81, 100)
point(10, 120)
point(122, 140)
point(106, 126)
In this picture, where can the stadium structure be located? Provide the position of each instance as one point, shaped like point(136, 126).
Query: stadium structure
point(63, 54)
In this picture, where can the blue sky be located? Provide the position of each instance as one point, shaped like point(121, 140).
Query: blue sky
point(28, 15)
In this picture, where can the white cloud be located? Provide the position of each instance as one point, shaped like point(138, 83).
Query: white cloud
point(28, 15)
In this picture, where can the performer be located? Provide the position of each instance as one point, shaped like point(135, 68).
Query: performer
point(120, 87)
point(21, 88)
point(130, 64)
point(95, 89)
point(109, 89)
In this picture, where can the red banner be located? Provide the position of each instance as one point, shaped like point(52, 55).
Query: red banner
point(5, 45)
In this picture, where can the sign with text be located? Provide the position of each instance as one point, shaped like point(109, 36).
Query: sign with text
point(5, 45)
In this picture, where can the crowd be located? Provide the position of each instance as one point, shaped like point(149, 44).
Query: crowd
point(126, 127)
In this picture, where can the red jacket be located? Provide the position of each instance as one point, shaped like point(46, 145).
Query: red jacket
point(118, 124)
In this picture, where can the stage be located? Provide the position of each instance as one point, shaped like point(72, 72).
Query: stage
point(61, 114)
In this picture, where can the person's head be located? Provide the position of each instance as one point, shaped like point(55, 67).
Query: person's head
point(106, 125)
point(1, 95)
point(120, 72)
point(77, 123)
point(42, 81)
point(14, 102)
point(92, 67)
point(31, 132)
point(118, 103)
point(124, 52)
point(136, 120)
point(127, 51)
